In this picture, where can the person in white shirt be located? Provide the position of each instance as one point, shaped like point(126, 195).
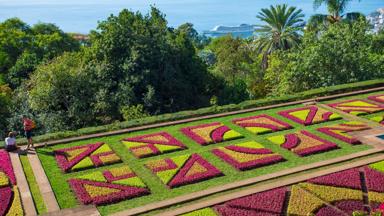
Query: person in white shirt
point(10, 142)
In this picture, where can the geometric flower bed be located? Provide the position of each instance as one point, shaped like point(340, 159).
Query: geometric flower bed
point(339, 193)
point(264, 203)
point(85, 156)
point(377, 98)
point(303, 143)
point(261, 124)
point(183, 170)
point(357, 107)
point(340, 131)
point(210, 133)
point(109, 186)
point(248, 155)
point(379, 119)
point(152, 144)
point(309, 115)
point(10, 200)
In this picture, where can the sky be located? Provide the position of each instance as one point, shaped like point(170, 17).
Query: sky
point(83, 15)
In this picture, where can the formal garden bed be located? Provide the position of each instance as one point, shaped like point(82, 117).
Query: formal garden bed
point(130, 170)
point(10, 200)
point(348, 192)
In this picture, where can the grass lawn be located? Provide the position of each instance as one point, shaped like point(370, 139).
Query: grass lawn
point(160, 191)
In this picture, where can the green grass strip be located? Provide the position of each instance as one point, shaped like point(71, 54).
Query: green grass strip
point(33, 186)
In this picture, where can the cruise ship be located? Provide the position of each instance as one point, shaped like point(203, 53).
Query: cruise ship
point(243, 30)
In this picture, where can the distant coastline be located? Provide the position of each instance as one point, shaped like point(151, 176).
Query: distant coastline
point(376, 18)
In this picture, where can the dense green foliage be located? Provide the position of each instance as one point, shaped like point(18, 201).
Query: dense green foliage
point(135, 66)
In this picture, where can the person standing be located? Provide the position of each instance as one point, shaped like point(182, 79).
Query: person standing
point(10, 142)
point(29, 125)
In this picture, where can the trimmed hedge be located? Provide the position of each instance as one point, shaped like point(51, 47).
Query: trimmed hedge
point(209, 110)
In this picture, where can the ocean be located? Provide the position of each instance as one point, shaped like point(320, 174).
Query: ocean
point(83, 15)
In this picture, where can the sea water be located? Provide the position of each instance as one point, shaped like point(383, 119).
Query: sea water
point(82, 15)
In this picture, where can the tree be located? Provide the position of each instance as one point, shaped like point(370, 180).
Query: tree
point(343, 53)
point(23, 47)
point(336, 13)
point(281, 30)
point(61, 95)
point(142, 61)
point(200, 41)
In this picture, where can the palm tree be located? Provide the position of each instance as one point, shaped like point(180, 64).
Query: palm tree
point(281, 30)
point(336, 9)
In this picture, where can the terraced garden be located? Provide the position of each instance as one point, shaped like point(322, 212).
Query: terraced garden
point(146, 167)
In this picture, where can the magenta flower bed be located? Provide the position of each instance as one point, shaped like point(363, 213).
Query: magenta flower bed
point(120, 192)
point(270, 201)
point(344, 128)
point(362, 106)
point(194, 169)
point(374, 180)
point(5, 199)
point(210, 133)
point(108, 186)
point(6, 166)
point(181, 178)
point(347, 206)
point(348, 178)
point(262, 121)
point(68, 164)
point(258, 157)
point(304, 143)
point(315, 115)
point(149, 144)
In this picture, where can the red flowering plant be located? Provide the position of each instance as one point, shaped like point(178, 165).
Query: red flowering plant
point(303, 143)
point(248, 155)
point(261, 124)
point(183, 170)
point(210, 133)
point(152, 144)
point(309, 115)
point(85, 156)
point(357, 106)
point(110, 186)
point(340, 131)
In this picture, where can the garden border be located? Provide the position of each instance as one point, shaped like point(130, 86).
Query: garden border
point(268, 186)
point(169, 123)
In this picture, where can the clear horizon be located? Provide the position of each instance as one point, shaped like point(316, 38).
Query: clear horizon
point(76, 16)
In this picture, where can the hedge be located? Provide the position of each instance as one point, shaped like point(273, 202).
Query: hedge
point(209, 110)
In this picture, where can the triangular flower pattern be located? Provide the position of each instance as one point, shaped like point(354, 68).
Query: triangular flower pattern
point(85, 156)
point(248, 155)
point(183, 170)
point(309, 115)
point(340, 131)
point(261, 124)
point(210, 133)
point(377, 98)
point(357, 107)
point(303, 143)
point(152, 144)
point(110, 186)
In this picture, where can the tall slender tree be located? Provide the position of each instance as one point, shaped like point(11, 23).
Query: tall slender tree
point(336, 13)
point(280, 31)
